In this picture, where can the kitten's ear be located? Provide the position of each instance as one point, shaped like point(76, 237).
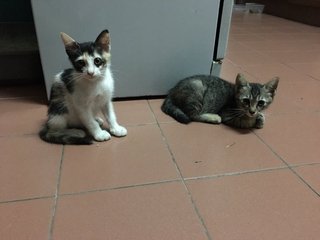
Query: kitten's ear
point(68, 42)
point(241, 81)
point(103, 40)
point(272, 85)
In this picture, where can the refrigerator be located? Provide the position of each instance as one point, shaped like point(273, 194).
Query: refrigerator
point(154, 43)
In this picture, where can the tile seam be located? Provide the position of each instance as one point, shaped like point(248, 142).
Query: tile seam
point(290, 167)
point(26, 199)
point(55, 204)
point(118, 188)
point(193, 204)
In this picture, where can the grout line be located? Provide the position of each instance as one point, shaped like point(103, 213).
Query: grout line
point(195, 208)
point(304, 164)
point(197, 211)
point(54, 207)
point(167, 122)
point(236, 173)
point(304, 181)
point(166, 143)
point(26, 199)
point(161, 182)
point(152, 112)
point(227, 174)
point(120, 187)
point(288, 165)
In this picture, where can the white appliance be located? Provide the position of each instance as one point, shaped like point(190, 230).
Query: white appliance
point(154, 43)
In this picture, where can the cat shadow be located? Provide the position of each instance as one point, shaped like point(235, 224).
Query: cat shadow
point(238, 130)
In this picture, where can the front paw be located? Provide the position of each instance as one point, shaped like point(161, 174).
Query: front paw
point(102, 135)
point(260, 121)
point(118, 131)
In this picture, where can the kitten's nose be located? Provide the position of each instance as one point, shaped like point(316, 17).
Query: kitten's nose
point(90, 73)
point(252, 111)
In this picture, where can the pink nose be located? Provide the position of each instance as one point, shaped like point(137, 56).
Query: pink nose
point(90, 73)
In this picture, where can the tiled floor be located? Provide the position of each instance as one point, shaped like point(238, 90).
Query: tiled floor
point(167, 181)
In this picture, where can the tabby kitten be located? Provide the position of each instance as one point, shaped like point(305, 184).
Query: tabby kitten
point(211, 99)
point(80, 93)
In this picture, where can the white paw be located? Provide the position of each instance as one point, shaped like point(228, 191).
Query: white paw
point(118, 131)
point(260, 120)
point(216, 119)
point(102, 135)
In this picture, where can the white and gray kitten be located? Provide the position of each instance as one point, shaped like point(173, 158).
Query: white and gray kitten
point(80, 93)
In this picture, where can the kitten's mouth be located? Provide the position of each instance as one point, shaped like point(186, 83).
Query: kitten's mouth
point(252, 115)
point(90, 77)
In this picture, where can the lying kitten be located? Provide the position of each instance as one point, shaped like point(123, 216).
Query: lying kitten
point(80, 93)
point(213, 100)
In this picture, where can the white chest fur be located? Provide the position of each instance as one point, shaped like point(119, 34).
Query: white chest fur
point(95, 91)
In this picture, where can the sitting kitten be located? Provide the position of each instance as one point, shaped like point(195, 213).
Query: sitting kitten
point(78, 94)
point(213, 100)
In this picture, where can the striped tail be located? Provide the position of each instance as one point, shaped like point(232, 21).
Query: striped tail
point(65, 136)
point(169, 108)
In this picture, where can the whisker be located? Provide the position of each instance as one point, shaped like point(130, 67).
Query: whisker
point(235, 109)
point(230, 114)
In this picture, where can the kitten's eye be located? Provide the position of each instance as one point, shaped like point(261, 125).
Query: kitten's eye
point(246, 101)
point(261, 103)
point(97, 61)
point(81, 63)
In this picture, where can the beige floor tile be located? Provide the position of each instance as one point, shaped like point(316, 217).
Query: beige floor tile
point(268, 205)
point(311, 174)
point(291, 36)
point(305, 94)
point(229, 72)
point(150, 212)
point(155, 104)
point(295, 137)
point(141, 157)
point(22, 116)
point(281, 45)
point(236, 46)
point(301, 96)
point(265, 72)
point(310, 69)
point(29, 167)
point(133, 112)
point(26, 220)
point(202, 149)
point(289, 57)
point(245, 37)
point(248, 58)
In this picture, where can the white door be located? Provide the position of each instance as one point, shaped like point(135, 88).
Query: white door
point(154, 43)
